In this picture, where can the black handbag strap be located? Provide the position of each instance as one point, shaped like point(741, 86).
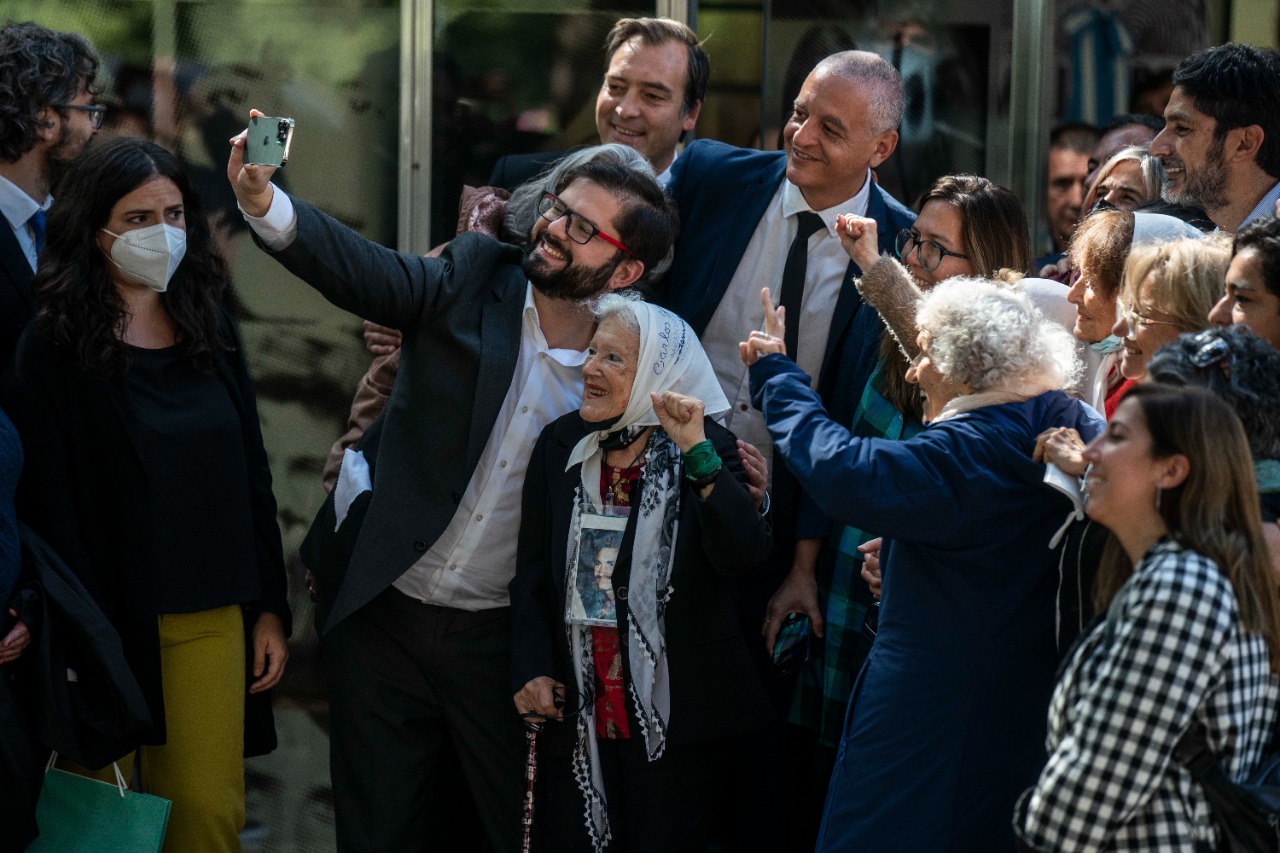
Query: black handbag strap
point(1192, 752)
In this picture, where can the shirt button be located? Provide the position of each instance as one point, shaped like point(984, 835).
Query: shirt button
point(743, 406)
point(479, 518)
point(524, 410)
point(454, 567)
point(502, 464)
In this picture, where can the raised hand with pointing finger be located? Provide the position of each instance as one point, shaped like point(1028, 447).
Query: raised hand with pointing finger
point(772, 339)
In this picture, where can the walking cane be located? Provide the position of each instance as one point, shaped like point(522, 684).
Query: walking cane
point(533, 723)
point(531, 729)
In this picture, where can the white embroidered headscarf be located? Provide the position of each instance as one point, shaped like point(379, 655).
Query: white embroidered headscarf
point(671, 359)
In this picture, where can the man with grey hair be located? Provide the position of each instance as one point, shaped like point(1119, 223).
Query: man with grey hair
point(755, 219)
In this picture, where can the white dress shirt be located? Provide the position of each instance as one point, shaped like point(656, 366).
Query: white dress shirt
point(18, 207)
point(762, 265)
point(473, 561)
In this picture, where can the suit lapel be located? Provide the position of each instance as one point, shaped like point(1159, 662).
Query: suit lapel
point(849, 301)
point(500, 328)
point(749, 204)
point(14, 263)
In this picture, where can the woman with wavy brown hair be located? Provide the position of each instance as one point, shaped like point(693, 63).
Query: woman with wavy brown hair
point(1191, 639)
point(145, 470)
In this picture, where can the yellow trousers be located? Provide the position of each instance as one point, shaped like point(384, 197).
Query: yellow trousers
point(200, 767)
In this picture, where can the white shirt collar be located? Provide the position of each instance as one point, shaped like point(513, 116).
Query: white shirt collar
point(664, 178)
point(793, 202)
point(566, 357)
point(16, 205)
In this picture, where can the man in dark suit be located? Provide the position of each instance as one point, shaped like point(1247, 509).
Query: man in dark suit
point(753, 219)
point(46, 117)
point(416, 642)
point(654, 81)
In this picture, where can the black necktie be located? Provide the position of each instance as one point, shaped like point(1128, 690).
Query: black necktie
point(793, 277)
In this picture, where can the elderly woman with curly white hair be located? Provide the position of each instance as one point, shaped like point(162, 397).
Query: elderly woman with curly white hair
point(946, 721)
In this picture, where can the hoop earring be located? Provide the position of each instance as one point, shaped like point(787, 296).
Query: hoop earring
point(1159, 491)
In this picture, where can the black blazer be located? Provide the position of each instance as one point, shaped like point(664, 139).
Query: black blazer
point(715, 690)
point(85, 478)
point(460, 315)
point(17, 305)
point(99, 717)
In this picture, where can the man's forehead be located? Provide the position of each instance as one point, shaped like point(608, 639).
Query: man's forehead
point(1113, 141)
point(1066, 160)
point(834, 98)
point(1182, 108)
point(662, 65)
point(591, 200)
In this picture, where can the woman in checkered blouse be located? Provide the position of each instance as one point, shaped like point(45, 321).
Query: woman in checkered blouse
point(1192, 633)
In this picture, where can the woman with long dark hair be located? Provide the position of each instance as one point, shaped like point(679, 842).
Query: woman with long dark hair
point(145, 469)
point(1191, 638)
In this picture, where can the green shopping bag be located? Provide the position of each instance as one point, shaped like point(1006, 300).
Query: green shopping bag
point(77, 814)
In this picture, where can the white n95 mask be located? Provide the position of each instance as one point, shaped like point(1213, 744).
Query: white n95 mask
point(149, 255)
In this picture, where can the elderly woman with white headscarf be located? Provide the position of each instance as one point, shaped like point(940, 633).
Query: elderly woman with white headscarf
point(947, 713)
point(642, 468)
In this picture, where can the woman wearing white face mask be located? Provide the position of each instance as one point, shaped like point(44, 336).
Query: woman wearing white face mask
point(145, 470)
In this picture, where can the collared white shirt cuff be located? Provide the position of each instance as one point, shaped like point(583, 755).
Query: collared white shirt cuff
point(279, 225)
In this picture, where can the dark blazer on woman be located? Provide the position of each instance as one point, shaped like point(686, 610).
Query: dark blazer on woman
point(84, 488)
point(714, 688)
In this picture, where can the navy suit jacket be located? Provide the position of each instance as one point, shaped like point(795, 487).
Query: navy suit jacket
point(17, 305)
point(722, 191)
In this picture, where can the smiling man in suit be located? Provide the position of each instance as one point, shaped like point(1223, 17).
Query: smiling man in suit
point(417, 638)
point(655, 78)
point(46, 117)
point(754, 219)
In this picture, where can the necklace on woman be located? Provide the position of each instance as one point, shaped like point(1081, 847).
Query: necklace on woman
point(619, 485)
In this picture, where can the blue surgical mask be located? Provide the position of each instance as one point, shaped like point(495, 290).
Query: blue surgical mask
point(1107, 345)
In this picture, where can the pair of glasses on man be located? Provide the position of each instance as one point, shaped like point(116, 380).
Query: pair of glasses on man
point(578, 227)
point(929, 253)
point(96, 112)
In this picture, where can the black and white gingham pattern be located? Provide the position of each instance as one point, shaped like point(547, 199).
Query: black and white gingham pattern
point(1170, 650)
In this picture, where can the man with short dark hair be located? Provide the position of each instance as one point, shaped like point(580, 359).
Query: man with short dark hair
point(416, 624)
point(1069, 149)
point(1123, 131)
point(1252, 296)
point(1220, 145)
point(47, 116)
point(655, 79)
